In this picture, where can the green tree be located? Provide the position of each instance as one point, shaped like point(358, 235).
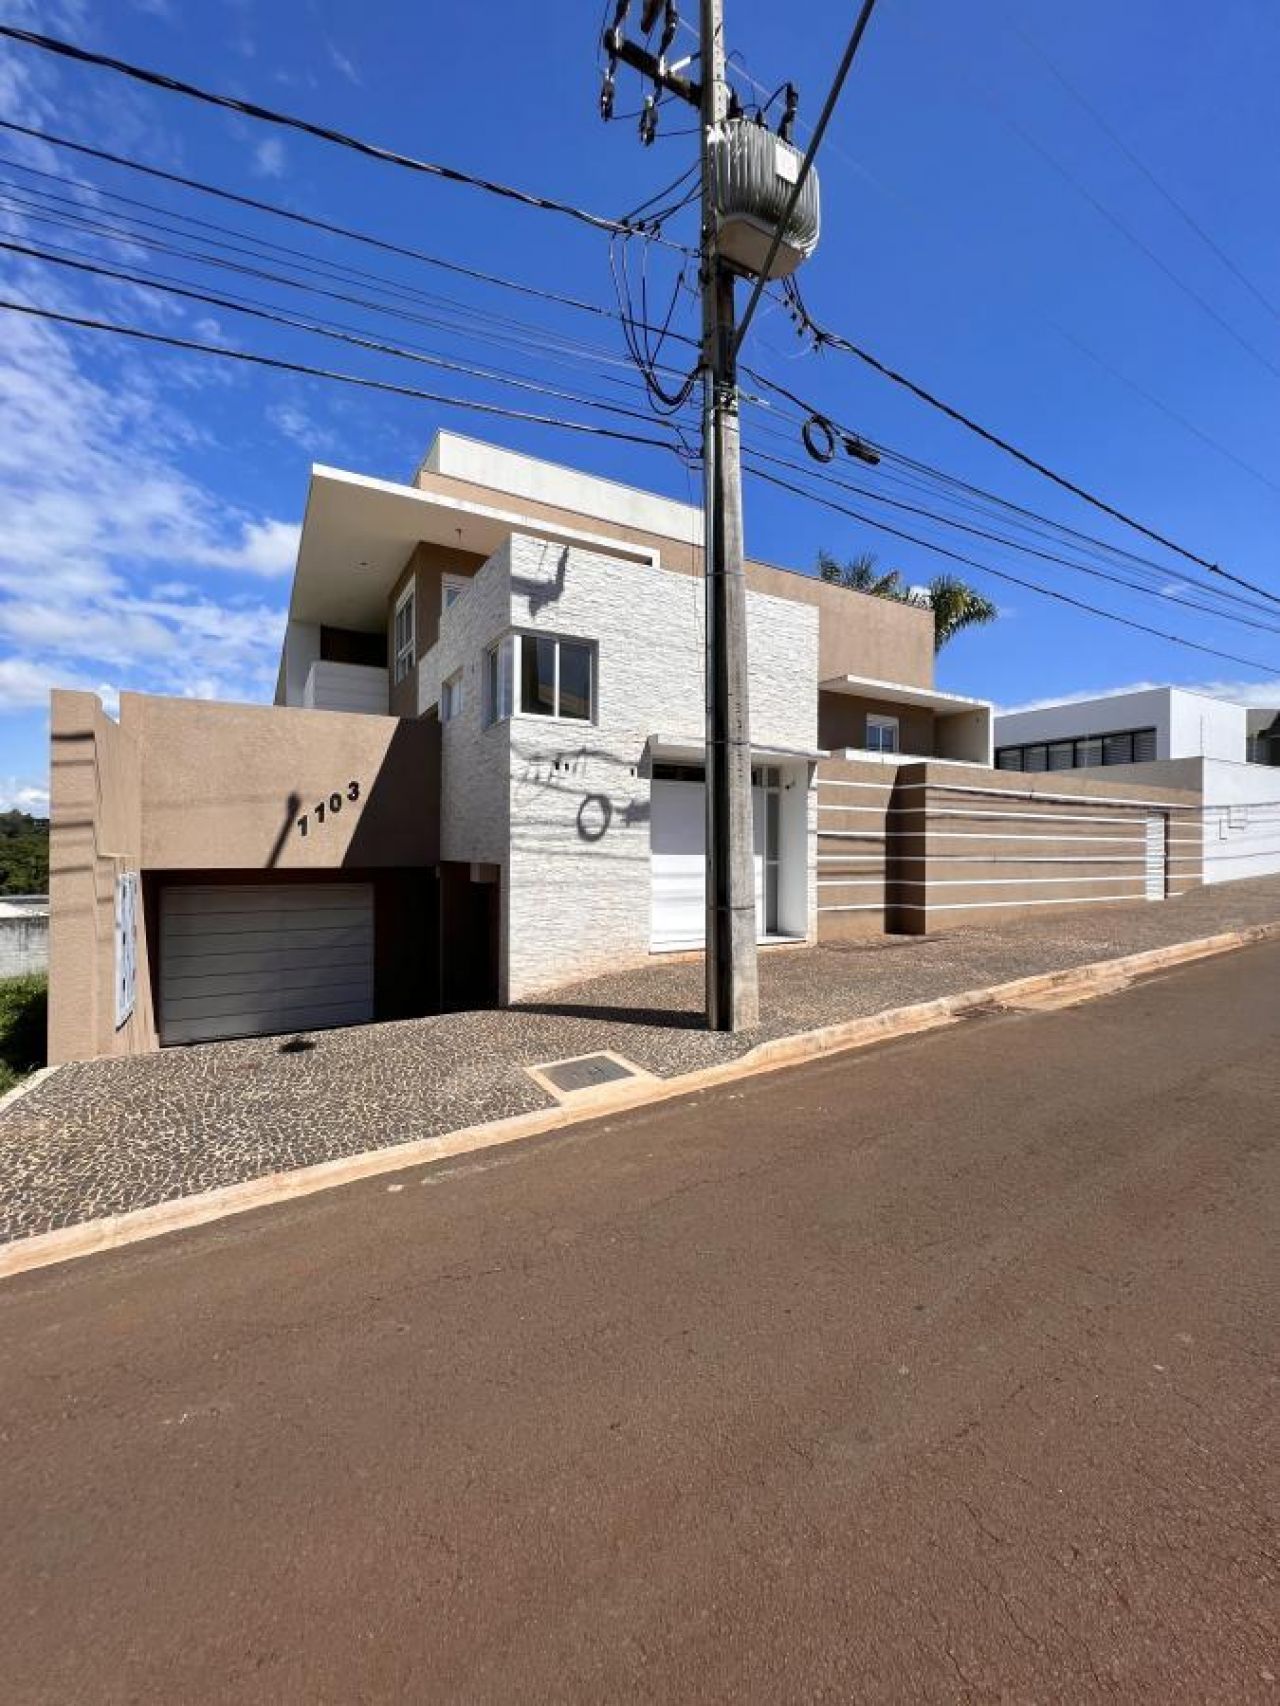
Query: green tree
point(24, 854)
point(953, 603)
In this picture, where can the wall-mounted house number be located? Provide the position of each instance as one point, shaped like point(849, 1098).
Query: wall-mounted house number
point(328, 808)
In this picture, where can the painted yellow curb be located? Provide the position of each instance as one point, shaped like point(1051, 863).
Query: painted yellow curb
point(115, 1231)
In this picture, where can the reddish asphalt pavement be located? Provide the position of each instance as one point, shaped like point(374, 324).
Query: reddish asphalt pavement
point(942, 1372)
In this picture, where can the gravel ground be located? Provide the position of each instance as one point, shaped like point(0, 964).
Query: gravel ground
point(102, 1137)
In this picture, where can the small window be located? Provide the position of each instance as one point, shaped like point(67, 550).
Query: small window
point(1062, 755)
point(404, 633)
point(1009, 758)
point(555, 677)
point(1035, 758)
point(497, 681)
point(452, 588)
point(882, 733)
point(451, 697)
point(1144, 746)
point(1089, 751)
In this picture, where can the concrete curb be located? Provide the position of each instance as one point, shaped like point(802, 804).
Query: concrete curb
point(115, 1231)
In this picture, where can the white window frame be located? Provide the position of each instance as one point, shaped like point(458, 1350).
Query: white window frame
point(455, 584)
point(406, 651)
point(506, 702)
point(877, 727)
point(451, 697)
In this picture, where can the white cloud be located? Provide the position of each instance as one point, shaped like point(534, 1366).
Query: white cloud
point(25, 683)
point(342, 64)
point(296, 425)
point(269, 158)
point(24, 794)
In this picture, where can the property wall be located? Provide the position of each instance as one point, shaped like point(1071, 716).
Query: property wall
point(95, 824)
point(1240, 811)
point(24, 943)
point(968, 847)
point(852, 802)
point(577, 889)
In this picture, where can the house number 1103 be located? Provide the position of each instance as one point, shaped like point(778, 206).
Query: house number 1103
point(327, 808)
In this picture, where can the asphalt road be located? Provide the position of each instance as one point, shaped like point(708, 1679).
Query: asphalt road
point(942, 1372)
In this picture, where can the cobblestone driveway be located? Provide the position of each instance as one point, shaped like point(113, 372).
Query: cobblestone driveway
point(103, 1137)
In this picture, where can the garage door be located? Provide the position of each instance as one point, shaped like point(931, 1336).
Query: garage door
point(678, 841)
point(251, 959)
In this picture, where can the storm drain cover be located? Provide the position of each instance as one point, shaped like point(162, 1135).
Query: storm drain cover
point(585, 1072)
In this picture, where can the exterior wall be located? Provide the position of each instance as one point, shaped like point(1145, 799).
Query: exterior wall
point(24, 938)
point(842, 722)
point(223, 786)
point(183, 785)
point(301, 649)
point(964, 736)
point(95, 832)
point(967, 848)
point(1239, 811)
point(858, 634)
point(427, 567)
point(565, 806)
point(852, 806)
point(1187, 725)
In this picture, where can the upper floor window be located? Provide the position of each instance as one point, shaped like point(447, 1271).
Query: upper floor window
point(882, 733)
point(1126, 746)
point(451, 697)
point(452, 588)
point(540, 676)
point(404, 633)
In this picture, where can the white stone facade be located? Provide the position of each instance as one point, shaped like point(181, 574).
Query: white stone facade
point(564, 806)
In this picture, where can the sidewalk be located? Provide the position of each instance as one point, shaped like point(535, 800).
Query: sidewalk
point(102, 1138)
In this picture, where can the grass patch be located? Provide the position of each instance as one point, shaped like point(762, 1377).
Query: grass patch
point(24, 1003)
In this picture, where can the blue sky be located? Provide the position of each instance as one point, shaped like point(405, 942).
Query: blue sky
point(149, 501)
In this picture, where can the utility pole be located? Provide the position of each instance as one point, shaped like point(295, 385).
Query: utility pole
point(733, 992)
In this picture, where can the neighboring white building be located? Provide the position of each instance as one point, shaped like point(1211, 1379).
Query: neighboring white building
point(1172, 737)
point(1121, 728)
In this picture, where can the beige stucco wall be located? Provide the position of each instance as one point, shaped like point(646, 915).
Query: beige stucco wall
point(194, 785)
point(223, 786)
point(428, 565)
point(94, 836)
point(842, 722)
point(857, 634)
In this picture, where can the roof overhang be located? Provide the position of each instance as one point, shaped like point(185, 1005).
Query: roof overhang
point(897, 693)
point(692, 749)
point(358, 533)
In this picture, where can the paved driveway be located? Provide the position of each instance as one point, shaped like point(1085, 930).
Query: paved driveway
point(103, 1137)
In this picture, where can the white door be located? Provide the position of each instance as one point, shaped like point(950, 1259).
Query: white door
point(1155, 858)
point(253, 959)
point(678, 851)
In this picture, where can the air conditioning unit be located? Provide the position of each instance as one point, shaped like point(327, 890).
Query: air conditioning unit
point(755, 173)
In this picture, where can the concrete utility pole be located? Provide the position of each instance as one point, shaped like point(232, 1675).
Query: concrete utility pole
point(733, 992)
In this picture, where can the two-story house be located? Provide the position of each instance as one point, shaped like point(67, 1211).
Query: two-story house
point(482, 776)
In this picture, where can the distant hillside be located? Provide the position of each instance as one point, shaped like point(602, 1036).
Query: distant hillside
point(24, 854)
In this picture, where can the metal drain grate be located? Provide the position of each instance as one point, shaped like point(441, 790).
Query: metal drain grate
point(585, 1072)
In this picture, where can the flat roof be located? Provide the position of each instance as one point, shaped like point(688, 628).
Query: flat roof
point(896, 693)
point(358, 532)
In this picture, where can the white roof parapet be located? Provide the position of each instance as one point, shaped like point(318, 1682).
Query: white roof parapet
point(693, 748)
point(898, 693)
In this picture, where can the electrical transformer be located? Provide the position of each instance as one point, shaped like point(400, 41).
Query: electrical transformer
point(755, 173)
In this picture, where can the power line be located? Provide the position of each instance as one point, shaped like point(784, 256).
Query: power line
point(1144, 591)
point(260, 311)
point(323, 133)
point(1140, 165)
point(84, 323)
point(834, 340)
point(328, 226)
point(1003, 574)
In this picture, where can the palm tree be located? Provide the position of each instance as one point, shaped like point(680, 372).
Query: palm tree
point(953, 603)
